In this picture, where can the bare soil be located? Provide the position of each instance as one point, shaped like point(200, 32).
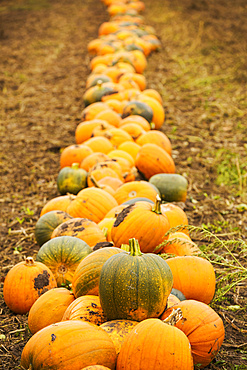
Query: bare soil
point(201, 72)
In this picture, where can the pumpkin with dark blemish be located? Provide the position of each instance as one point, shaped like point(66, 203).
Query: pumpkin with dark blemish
point(134, 286)
point(203, 327)
point(47, 223)
point(72, 344)
point(118, 330)
point(144, 222)
point(86, 276)
point(25, 283)
point(86, 308)
point(62, 255)
point(81, 228)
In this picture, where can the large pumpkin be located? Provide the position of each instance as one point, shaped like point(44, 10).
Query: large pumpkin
point(49, 308)
point(86, 276)
point(25, 283)
point(62, 255)
point(143, 221)
point(203, 327)
point(66, 345)
point(134, 286)
point(194, 277)
point(155, 345)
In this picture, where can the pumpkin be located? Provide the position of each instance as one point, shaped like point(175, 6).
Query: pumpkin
point(92, 110)
point(96, 367)
point(86, 308)
point(131, 148)
point(203, 327)
point(155, 345)
point(106, 225)
point(93, 159)
point(62, 255)
point(135, 107)
point(172, 300)
point(60, 203)
point(110, 116)
point(136, 77)
point(47, 223)
point(74, 154)
point(72, 344)
point(100, 171)
point(134, 286)
point(86, 276)
point(194, 277)
point(99, 144)
point(138, 119)
point(158, 110)
point(176, 216)
point(113, 182)
point(152, 159)
point(155, 137)
point(180, 244)
point(133, 129)
point(135, 189)
point(115, 154)
point(118, 331)
point(117, 136)
point(143, 221)
point(25, 283)
point(49, 308)
point(81, 228)
point(84, 131)
point(71, 179)
point(92, 203)
point(95, 93)
point(172, 187)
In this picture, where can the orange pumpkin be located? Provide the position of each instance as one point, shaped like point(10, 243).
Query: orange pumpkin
point(180, 244)
point(74, 154)
point(130, 147)
point(92, 110)
point(135, 189)
point(99, 144)
point(58, 204)
point(92, 160)
point(155, 137)
point(25, 283)
point(203, 327)
point(85, 130)
point(175, 215)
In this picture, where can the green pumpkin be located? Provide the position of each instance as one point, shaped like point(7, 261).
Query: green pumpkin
point(47, 223)
point(172, 186)
point(139, 108)
point(95, 93)
point(71, 179)
point(86, 276)
point(134, 286)
point(62, 255)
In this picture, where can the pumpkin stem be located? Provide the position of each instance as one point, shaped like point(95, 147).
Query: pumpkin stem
point(134, 247)
point(29, 261)
point(125, 247)
point(174, 317)
point(95, 183)
point(105, 231)
point(156, 207)
point(75, 166)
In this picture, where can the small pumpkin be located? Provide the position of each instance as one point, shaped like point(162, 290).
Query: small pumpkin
point(180, 244)
point(81, 228)
point(86, 308)
point(203, 327)
point(86, 276)
point(49, 308)
point(71, 179)
point(155, 137)
point(92, 160)
point(134, 286)
point(176, 216)
point(152, 159)
point(135, 189)
point(60, 203)
point(194, 277)
point(38, 278)
point(62, 255)
point(47, 223)
point(135, 107)
point(172, 187)
point(84, 130)
point(72, 344)
point(74, 154)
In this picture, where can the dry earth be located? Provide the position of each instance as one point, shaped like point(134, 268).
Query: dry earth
point(201, 73)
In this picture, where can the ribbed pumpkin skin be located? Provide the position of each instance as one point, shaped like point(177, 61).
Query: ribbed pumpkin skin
point(140, 222)
point(86, 276)
point(62, 255)
point(69, 345)
point(194, 277)
point(81, 228)
point(25, 283)
point(71, 179)
point(134, 287)
point(49, 308)
point(118, 331)
point(60, 203)
point(152, 159)
point(92, 203)
point(154, 345)
point(86, 308)
point(47, 223)
point(180, 244)
point(203, 327)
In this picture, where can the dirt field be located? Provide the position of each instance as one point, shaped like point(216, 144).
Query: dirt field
point(201, 73)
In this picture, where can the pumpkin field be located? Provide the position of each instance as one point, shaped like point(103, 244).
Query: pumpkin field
point(123, 184)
